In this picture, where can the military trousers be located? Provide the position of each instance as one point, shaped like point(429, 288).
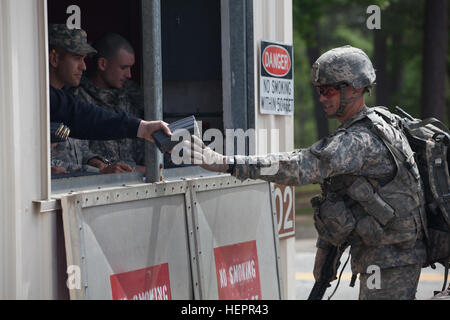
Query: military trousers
point(397, 283)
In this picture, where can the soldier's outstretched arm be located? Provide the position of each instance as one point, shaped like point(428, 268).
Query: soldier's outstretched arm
point(288, 168)
point(354, 152)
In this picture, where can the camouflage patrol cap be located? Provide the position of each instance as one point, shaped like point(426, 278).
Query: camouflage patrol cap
point(74, 40)
point(344, 65)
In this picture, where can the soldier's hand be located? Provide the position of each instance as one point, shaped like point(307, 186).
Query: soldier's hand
point(58, 170)
point(148, 128)
point(116, 168)
point(203, 156)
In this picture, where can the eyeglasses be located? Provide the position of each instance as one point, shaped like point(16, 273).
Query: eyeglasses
point(329, 91)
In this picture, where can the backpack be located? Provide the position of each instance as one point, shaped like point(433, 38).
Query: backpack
point(430, 139)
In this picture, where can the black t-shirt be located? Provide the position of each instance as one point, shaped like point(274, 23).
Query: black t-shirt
point(90, 122)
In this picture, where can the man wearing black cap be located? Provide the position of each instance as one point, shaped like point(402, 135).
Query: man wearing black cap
point(68, 48)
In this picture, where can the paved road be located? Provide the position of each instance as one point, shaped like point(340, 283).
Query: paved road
point(430, 280)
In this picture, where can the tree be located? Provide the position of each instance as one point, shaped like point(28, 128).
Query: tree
point(317, 22)
point(381, 68)
point(434, 64)
point(306, 16)
point(313, 52)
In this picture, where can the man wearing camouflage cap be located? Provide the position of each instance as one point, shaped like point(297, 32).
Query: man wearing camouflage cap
point(68, 48)
point(371, 191)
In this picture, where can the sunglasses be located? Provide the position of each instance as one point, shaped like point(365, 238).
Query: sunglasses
point(330, 90)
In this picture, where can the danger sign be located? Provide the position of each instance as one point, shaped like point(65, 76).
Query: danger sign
point(237, 272)
point(276, 79)
point(151, 283)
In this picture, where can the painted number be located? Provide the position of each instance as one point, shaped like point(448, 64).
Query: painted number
point(284, 197)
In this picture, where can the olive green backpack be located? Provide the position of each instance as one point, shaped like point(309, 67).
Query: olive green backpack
point(430, 140)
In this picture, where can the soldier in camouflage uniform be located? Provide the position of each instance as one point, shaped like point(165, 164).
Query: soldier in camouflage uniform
point(68, 48)
point(110, 87)
point(372, 197)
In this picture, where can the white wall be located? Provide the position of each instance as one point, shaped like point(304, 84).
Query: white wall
point(27, 237)
point(273, 22)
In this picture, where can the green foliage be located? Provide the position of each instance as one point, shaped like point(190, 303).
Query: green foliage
point(331, 23)
point(305, 127)
point(307, 12)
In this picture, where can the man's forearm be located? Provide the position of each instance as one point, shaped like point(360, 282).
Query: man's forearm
point(287, 168)
point(270, 168)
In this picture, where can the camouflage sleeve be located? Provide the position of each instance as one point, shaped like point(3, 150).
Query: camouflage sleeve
point(63, 155)
point(68, 155)
point(69, 166)
point(354, 152)
point(296, 168)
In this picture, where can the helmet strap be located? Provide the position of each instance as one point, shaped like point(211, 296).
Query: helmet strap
point(344, 103)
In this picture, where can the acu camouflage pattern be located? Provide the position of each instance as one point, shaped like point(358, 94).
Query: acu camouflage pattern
point(73, 155)
point(344, 64)
point(74, 40)
point(394, 284)
point(352, 151)
point(128, 99)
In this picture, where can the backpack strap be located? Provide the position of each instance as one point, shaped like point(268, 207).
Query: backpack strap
point(438, 172)
point(431, 121)
point(380, 117)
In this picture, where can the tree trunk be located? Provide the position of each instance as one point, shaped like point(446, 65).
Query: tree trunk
point(396, 76)
point(380, 65)
point(434, 66)
point(321, 119)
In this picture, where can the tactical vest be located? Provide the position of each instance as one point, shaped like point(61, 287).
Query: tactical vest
point(372, 212)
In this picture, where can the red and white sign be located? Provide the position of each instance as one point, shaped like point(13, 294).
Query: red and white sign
point(151, 283)
point(237, 272)
point(276, 61)
point(276, 88)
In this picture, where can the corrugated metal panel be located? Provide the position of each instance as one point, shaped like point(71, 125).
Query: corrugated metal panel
point(117, 231)
point(178, 224)
point(233, 214)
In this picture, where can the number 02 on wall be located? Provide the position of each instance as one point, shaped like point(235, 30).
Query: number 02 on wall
point(284, 204)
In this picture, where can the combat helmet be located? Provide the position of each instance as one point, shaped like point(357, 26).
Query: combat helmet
point(344, 66)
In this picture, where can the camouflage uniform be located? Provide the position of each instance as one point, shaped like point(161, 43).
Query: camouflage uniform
point(353, 151)
point(73, 155)
point(128, 99)
point(372, 197)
